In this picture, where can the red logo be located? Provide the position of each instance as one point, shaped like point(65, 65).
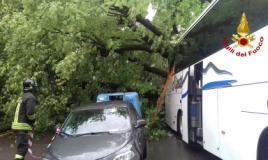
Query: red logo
point(243, 40)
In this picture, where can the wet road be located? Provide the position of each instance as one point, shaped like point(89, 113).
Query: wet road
point(167, 149)
point(173, 149)
point(8, 147)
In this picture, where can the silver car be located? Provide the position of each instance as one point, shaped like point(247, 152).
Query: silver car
point(100, 131)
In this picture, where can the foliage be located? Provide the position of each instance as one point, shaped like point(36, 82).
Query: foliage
point(76, 49)
point(155, 128)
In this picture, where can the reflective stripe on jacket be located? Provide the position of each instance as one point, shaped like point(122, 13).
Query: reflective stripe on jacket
point(16, 125)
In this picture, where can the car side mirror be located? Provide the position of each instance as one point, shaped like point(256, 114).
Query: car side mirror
point(140, 123)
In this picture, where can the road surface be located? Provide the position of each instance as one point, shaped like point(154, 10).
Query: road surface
point(172, 148)
point(169, 148)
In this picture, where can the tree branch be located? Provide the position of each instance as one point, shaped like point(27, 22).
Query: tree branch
point(134, 47)
point(147, 24)
point(155, 70)
point(123, 13)
point(150, 69)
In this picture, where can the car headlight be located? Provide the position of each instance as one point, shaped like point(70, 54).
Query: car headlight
point(125, 156)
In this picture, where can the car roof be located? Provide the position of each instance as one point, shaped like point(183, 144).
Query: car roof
point(102, 105)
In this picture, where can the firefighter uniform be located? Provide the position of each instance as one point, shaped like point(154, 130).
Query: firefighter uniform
point(23, 122)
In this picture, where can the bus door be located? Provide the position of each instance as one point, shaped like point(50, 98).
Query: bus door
point(184, 105)
point(195, 104)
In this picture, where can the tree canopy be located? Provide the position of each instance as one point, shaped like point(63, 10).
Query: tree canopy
point(76, 49)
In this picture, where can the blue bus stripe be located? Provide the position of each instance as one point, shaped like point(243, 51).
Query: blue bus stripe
point(214, 84)
point(217, 84)
point(184, 94)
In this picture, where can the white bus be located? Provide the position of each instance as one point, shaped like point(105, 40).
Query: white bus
point(218, 98)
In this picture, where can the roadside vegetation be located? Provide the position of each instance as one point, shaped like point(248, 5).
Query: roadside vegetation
point(76, 49)
point(155, 128)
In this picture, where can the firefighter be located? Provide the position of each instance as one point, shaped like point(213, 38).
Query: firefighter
point(24, 118)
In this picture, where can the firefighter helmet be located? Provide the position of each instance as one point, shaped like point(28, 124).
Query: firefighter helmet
point(29, 85)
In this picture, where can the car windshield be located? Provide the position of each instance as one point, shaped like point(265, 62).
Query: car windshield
point(103, 120)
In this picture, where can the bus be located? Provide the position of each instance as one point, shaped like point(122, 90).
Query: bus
point(218, 97)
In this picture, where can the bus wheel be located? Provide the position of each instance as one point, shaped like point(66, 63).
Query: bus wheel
point(179, 124)
point(263, 146)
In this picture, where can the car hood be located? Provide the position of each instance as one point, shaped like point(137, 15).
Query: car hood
point(87, 147)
